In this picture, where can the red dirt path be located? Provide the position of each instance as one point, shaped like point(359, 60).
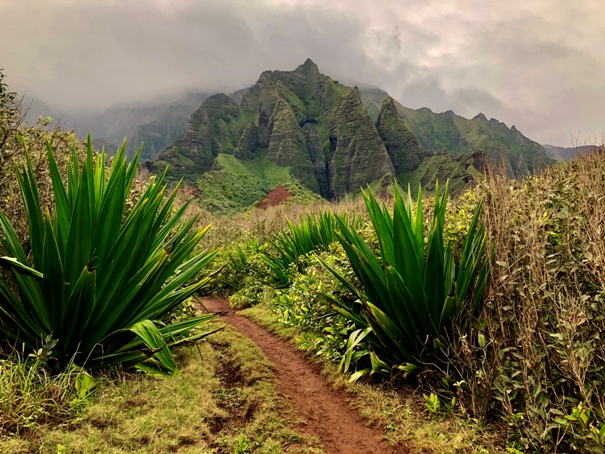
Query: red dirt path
point(327, 416)
point(274, 198)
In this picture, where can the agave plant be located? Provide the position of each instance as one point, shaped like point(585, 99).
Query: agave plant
point(312, 232)
point(99, 276)
point(413, 289)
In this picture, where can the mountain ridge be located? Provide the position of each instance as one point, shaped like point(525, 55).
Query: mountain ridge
point(336, 139)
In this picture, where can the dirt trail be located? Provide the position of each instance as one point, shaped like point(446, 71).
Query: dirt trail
point(327, 416)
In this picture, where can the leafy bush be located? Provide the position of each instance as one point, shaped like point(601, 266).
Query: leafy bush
point(411, 290)
point(246, 272)
point(302, 305)
point(535, 354)
point(100, 272)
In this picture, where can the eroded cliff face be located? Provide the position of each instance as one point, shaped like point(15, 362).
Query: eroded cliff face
point(322, 132)
point(402, 146)
point(357, 154)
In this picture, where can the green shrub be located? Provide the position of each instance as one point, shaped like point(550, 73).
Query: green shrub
point(413, 289)
point(312, 232)
point(324, 330)
point(100, 272)
point(539, 367)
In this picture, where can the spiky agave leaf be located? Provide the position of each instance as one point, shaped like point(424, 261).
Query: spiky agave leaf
point(411, 290)
point(100, 274)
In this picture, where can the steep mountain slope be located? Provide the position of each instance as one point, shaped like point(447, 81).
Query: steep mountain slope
point(449, 132)
point(333, 139)
point(504, 146)
point(154, 125)
point(298, 119)
point(568, 153)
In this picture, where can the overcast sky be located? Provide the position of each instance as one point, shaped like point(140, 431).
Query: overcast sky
point(537, 64)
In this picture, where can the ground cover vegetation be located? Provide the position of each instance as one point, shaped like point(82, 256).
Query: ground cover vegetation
point(507, 336)
point(92, 276)
point(524, 357)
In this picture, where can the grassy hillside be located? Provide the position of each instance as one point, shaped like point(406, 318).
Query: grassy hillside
point(335, 139)
point(232, 186)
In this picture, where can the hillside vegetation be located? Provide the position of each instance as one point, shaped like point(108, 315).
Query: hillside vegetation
point(462, 319)
point(335, 139)
point(529, 360)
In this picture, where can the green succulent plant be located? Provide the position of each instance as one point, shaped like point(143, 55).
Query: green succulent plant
point(99, 275)
point(412, 289)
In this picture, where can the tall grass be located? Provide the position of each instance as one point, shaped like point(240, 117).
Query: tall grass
point(535, 356)
point(30, 397)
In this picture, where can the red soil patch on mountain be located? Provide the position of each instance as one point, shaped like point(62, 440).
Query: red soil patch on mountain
point(274, 198)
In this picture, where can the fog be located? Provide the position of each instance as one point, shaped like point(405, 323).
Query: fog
point(538, 65)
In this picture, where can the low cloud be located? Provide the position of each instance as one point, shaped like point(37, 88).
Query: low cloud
point(537, 64)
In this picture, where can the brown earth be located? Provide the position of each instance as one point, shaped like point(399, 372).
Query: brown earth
point(274, 198)
point(324, 409)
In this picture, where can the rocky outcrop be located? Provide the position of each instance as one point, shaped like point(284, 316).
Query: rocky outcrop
point(402, 146)
point(247, 146)
point(357, 154)
point(318, 159)
point(287, 146)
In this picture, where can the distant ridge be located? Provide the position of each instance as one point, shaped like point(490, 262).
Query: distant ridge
point(333, 139)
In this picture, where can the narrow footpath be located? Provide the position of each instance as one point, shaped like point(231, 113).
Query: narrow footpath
point(324, 409)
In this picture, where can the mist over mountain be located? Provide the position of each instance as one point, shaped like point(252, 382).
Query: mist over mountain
point(313, 131)
point(334, 139)
point(569, 153)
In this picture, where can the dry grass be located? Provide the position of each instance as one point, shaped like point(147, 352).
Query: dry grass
point(544, 315)
point(223, 400)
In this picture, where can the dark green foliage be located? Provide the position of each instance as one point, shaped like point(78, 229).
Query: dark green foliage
point(402, 146)
point(312, 232)
point(301, 304)
point(100, 273)
point(358, 155)
point(413, 289)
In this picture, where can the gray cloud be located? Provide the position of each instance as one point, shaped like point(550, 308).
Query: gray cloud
point(536, 64)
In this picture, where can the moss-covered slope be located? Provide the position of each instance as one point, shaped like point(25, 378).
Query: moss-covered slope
point(216, 127)
point(358, 155)
point(452, 133)
point(401, 145)
point(332, 140)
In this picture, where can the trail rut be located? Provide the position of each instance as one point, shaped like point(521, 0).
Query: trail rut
point(324, 409)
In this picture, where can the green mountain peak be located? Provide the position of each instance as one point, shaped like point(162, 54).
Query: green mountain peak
point(301, 129)
point(308, 68)
point(401, 145)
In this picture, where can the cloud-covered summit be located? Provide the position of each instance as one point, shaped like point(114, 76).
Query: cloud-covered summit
point(536, 64)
